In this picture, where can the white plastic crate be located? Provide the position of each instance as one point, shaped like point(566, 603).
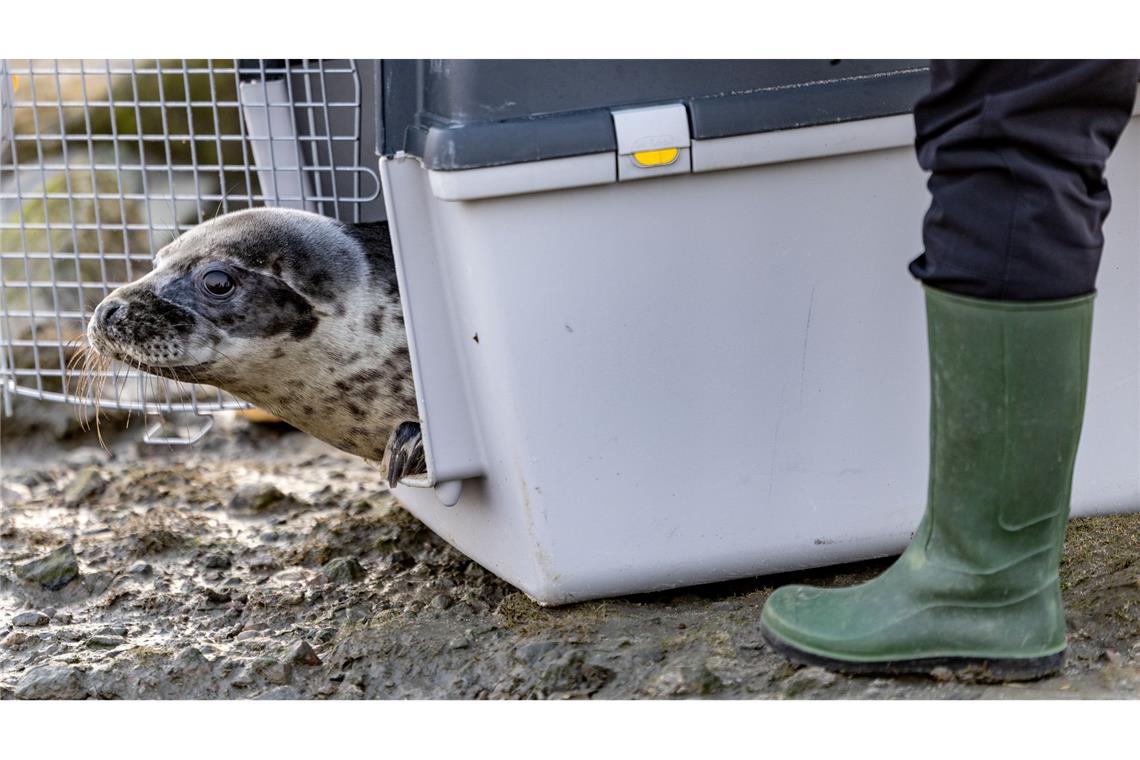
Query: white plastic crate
point(629, 386)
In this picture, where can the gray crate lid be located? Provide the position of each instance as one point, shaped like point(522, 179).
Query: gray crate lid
point(465, 114)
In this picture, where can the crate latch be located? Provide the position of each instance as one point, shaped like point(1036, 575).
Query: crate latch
point(652, 142)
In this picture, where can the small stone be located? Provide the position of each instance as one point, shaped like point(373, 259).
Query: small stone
point(357, 614)
point(302, 654)
point(51, 682)
point(96, 583)
point(942, 674)
point(277, 672)
point(401, 559)
point(440, 602)
point(573, 675)
point(216, 560)
point(114, 630)
point(459, 642)
point(141, 568)
point(271, 670)
point(216, 596)
point(806, 680)
point(343, 570)
point(52, 571)
point(684, 681)
point(256, 497)
point(262, 563)
point(88, 482)
point(30, 619)
point(105, 641)
point(15, 640)
point(63, 617)
point(189, 661)
point(293, 598)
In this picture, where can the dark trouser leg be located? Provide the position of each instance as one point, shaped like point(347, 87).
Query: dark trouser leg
point(1017, 151)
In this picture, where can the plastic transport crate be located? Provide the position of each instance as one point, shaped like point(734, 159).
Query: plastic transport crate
point(661, 323)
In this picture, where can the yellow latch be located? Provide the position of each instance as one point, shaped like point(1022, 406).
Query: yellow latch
point(662, 157)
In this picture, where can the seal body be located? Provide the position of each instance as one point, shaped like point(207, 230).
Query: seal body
point(292, 311)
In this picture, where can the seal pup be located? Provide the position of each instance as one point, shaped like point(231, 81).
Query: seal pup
point(292, 311)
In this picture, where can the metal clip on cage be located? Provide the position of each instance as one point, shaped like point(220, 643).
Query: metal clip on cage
point(104, 162)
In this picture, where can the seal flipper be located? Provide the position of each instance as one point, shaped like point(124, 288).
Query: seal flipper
point(404, 453)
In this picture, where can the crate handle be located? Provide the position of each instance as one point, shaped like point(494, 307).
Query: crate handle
point(152, 432)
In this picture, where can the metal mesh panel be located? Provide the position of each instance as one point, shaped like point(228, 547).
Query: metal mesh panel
point(104, 162)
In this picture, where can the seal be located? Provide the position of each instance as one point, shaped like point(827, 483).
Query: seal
point(292, 311)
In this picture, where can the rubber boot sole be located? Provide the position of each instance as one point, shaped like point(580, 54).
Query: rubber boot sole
point(969, 669)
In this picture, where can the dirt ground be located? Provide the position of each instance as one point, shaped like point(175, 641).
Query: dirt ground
point(264, 564)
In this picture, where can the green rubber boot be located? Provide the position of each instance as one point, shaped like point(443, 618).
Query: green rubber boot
point(977, 589)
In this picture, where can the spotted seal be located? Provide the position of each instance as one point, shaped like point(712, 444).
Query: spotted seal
point(292, 311)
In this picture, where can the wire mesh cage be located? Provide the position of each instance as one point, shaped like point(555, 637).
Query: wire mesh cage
point(104, 162)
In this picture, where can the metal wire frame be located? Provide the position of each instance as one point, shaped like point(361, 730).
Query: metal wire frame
point(103, 162)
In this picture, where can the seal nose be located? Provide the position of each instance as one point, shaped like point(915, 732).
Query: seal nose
point(108, 313)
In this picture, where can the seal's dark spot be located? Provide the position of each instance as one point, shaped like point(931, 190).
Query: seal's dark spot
point(367, 393)
point(304, 328)
point(366, 376)
point(376, 322)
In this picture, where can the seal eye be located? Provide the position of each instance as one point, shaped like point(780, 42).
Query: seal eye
point(217, 283)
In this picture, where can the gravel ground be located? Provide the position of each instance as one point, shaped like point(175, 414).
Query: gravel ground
point(264, 564)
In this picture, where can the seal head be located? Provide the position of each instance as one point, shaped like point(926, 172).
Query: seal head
point(294, 312)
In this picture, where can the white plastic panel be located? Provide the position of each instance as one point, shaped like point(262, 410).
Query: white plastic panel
point(532, 177)
point(802, 144)
point(450, 447)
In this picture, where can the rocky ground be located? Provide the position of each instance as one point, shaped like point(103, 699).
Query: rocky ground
point(263, 564)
